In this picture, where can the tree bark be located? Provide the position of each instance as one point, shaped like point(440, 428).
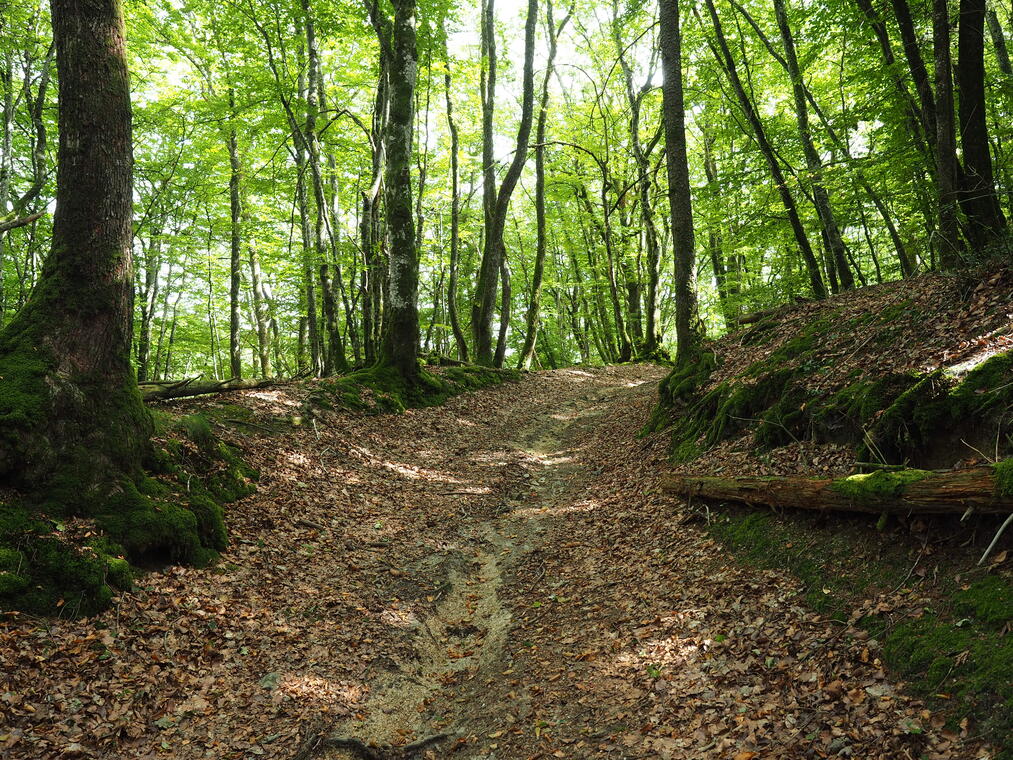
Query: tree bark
point(70, 410)
point(401, 339)
point(187, 388)
point(531, 318)
point(985, 220)
point(495, 247)
point(235, 244)
point(926, 493)
point(455, 224)
point(821, 198)
point(679, 198)
point(947, 169)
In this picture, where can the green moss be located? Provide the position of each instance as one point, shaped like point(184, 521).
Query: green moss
point(877, 486)
point(1003, 474)
point(958, 649)
point(148, 521)
point(895, 311)
point(761, 333)
point(988, 601)
point(43, 574)
point(936, 403)
point(382, 389)
point(197, 428)
point(974, 667)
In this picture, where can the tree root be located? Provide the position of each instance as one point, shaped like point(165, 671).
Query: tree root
point(319, 742)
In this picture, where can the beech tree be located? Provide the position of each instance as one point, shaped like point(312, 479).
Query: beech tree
point(71, 418)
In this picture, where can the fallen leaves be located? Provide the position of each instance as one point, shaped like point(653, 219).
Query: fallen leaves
point(623, 632)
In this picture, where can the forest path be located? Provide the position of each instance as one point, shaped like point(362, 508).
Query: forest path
point(458, 675)
point(502, 569)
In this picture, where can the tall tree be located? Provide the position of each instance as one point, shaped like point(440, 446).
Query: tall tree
point(679, 198)
point(950, 246)
point(985, 220)
point(70, 412)
point(455, 223)
point(821, 198)
point(535, 292)
point(495, 247)
point(725, 59)
point(401, 340)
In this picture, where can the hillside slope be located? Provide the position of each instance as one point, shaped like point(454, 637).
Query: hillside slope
point(912, 372)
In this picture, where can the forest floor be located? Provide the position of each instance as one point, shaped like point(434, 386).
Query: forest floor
point(501, 569)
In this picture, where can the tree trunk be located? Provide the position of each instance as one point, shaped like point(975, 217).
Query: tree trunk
point(985, 220)
point(455, 225)
point(531, 319)
point(71, 417)
point(679, 199)
point(725, 59)
point(906, 492)
point(186, 388)
point(401, 339)
point(821, 198)
point(260, 312)
point(999, 43)
point(495, 247)
point(947, 170)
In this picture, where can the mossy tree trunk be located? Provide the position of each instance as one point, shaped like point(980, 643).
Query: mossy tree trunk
point(69, 403)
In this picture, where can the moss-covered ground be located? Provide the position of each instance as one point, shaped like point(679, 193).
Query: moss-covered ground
point(944, 626)
point(56, 560)
point(381, 389)
point(823, 378)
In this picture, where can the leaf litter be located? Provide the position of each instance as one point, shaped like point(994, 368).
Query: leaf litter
point(502, 570)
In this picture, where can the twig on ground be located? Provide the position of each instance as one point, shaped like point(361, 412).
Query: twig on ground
point(317, 743)
point(995, 540)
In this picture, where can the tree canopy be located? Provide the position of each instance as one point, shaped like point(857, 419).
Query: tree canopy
point(829, 145)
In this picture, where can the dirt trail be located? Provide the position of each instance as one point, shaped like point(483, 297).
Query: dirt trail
point(502, 570)
point(459, 651)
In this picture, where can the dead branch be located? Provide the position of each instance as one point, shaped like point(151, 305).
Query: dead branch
point(318, 743)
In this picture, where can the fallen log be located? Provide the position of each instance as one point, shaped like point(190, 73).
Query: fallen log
point(986, 490)
point(755, 316)
point(187, 388)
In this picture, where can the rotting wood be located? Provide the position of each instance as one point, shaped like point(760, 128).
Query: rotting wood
point(907, 492)
point(186, 388)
